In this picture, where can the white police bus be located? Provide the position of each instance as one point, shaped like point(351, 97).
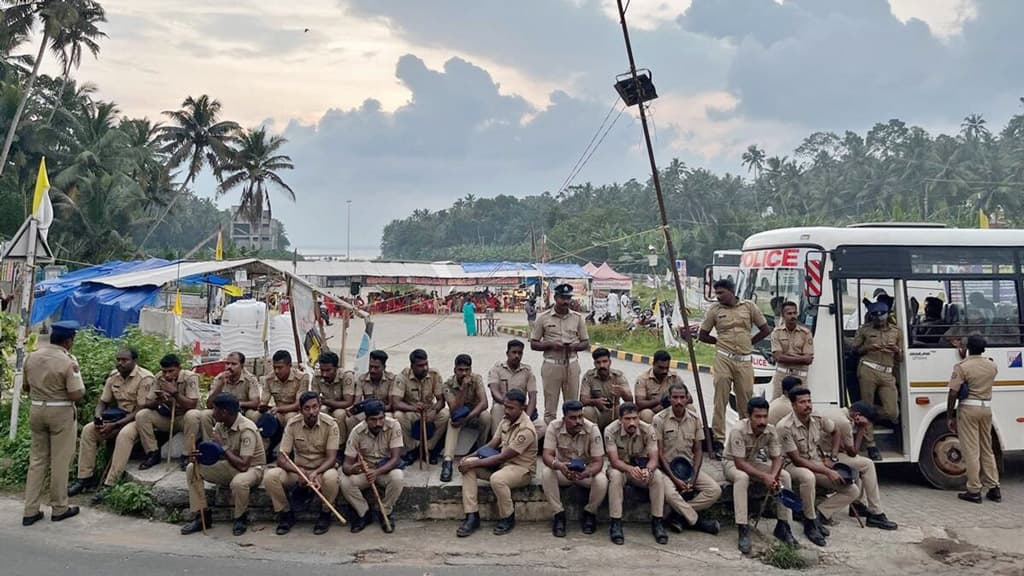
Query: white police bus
point(940, 279)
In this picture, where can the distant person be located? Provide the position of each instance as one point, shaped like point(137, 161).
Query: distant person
point(531, 312)
point(626, 306)
point(792, 347)
point(930, 330)
point(613, 305)
point(469, 317)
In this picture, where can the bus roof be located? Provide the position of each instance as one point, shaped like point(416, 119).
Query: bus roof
point(829, 238)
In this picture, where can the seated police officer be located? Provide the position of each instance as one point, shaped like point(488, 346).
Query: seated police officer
point(466, 397)
point(372, 457)
point(573, 454)
point(632, 447)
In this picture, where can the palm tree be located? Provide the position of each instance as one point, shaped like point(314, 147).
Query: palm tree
point(69, 42)
point(197, 138)
point(754, 159)
point(254, 165)
point(56, 16)
point(973, 127)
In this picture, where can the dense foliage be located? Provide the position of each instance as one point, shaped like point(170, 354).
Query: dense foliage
point(894, 172)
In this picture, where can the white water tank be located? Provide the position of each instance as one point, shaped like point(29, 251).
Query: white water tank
point(242, 328)
point(280, 335)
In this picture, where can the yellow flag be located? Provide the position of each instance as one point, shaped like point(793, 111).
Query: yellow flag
point(177, 302)
point(232, 290)
point(42, 208)
point(982, 218)
point(218, 253)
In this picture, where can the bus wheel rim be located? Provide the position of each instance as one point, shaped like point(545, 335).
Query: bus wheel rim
point(948, 457)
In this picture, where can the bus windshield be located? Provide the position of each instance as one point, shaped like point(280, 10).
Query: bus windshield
point(771, 277)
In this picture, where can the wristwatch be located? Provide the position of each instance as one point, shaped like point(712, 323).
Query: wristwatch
point(833, 459)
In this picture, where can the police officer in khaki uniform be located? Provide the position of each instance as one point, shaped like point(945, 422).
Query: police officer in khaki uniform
point(852, 422)
point(632, 447)
point(463, 392)
point(573, 454)
point(792, 348)
point(374, 384)
point(283, 386)
point(973, 421)
point(417, 394)
point(602, 390)
point(126, 388)
point(803, 435)
point(238, 382)
point(881, 348)
point(513, 374)
point(337, 392)
point(175, 392)
point(54, 385)
point(512, 467)
point(753, 452)
point(680, 434)
point(378, 439)
point(560, 333)
point(733, 320)
point(313, 437)
point(241, 465)
point(651, 390)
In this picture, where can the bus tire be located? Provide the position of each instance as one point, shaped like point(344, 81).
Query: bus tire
point(941, 461)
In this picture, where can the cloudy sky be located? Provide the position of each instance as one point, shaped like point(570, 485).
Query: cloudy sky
point(404, 104)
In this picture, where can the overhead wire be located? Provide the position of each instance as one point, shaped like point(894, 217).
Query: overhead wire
point(593, 150)
point(572, 171)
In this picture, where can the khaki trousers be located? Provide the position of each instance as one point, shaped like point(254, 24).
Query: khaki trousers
point(552, 481)
point(498, 414)
point(843, 497)
point(53, 431)
point(123, 446)
point(869, 494)
point(451, 438)
point(222, 474)
point(872, 381)
point(502, 482)
point(616, 486)
point(352, 488)
point(88, 445)
point(149, 421)
point(647, 415)
point(708, 492)
point(276, 481)
point(974, 427)
point(600, 417)
point(805, 482)
point(206, 421)
point(730, 376)
point(406, 420)
point(740, 495)
point(559, 379)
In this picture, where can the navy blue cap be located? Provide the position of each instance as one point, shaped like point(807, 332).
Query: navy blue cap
point(209, 453)
point(64, 328)
point(163, 410)
point(460, 413)
point(113, 414)
point(848, 474)
point(640, 461)
point(416, 429)
point(791, 500)
point(487, 452)
point(268, 425)
point(563, 290)
point(577, 465)
point(681, 468)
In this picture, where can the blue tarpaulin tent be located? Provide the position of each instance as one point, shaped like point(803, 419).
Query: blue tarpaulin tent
point(527, 270)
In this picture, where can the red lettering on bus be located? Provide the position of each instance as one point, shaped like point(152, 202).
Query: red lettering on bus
point(789, 258)
point(772, 258)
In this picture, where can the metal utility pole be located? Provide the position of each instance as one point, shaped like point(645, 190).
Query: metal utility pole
point(348, 231)
point(669, 249)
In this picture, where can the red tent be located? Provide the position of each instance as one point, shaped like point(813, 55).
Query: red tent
point(604, 278)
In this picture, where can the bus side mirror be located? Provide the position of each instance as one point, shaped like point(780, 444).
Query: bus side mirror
point(709, 279)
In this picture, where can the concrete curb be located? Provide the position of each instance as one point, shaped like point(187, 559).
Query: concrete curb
point(618, 354)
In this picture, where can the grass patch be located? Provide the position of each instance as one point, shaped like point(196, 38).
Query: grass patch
point(131, 499)
point(784, 557)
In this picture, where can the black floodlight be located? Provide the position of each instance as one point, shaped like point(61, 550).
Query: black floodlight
point(633, 93)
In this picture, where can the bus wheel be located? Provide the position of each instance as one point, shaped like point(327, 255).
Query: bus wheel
point(941, 461)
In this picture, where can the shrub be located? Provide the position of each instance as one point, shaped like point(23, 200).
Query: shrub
point(783, 556)
point(14, 453)
point(131, 499)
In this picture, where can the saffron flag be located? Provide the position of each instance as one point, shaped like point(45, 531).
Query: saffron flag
point(42, 208)
point(982, 218)
point(177, 303)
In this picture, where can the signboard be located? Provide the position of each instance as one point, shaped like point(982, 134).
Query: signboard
point(681, 267)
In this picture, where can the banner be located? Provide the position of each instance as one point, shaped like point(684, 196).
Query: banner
point(304, 309)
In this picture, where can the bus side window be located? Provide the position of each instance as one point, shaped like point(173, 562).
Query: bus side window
point(933, 317)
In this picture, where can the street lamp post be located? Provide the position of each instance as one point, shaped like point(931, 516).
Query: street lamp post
point(348, 231)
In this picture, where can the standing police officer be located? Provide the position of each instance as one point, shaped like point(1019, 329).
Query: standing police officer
point(973, 420)
point(792, 347)
point(560, 333)
point(54, 385)
point(880, 346)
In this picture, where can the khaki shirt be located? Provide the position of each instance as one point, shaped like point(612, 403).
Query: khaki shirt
point(521, 378)
point(807, 440)
point(629, 447)
point(411, 390)
point(472, 394)
point(186, 378)
point(978, 374)
point(733, 325)
point(243, 438)
point(798, 342)
point(592, 384)
point(283, 393)
point(520, 436)
point(344, 384)
point(845, 426)
point(678, 434)
point(374, 448)
point(246, 388)
point(365, 389)
point(757, 450)
point(51, 373)
point(868, 336)
point(310, 444)
point(569, 329)
point(128, 393)
point(586, 444)
point(778, 409)
point(648, 388)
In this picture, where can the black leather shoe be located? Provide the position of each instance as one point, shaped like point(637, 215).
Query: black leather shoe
point(784, 534)
point(858, 509)
point(675, 522)
point(970, 497)
point(812, 533)
point(880, 521)
point(505, 525)
point(875, 454)
point(615, 531)
point(658, 531)
point(323, 523)
point(152, 459)
point(390, 527)
point(707, 526)
point(71, 511)
point(446, 471)
point(241, 525)
point(410, 457)
point(361, 522)
point(821, 522)
point(196, 525)
point(285, 521)
point(558, 525)
point(100, 496)
point(81, 485)
point(994, 494)
point(469, 525)
point(744, 538)
point(30, 520)
point(588, 522)
point(432, 459)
